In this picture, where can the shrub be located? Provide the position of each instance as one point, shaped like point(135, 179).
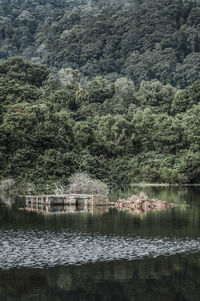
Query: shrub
point(8, 186)
point(83, 183)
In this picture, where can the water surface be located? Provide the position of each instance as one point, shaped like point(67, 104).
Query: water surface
point(107, 256)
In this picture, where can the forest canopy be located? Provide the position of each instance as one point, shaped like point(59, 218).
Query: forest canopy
point(52, 126)
point(138, 39)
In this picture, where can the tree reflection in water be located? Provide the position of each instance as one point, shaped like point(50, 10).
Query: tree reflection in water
point(167, 278)
point(171, 278)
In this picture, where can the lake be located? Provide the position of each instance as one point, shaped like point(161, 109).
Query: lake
point(103, 254)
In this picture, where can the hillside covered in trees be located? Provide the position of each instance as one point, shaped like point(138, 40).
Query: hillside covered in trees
point(52, 125)
point(138, 39)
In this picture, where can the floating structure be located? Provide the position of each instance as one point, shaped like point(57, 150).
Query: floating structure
point(67, 199)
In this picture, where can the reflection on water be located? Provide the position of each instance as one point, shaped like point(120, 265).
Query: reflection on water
point(174, 278)
point(182, 221)
point(43, 208)
point(110, 256)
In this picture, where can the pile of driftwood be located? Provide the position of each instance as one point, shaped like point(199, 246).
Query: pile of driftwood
point(139, 204)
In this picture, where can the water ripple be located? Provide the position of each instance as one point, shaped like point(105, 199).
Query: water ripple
point(38, 249)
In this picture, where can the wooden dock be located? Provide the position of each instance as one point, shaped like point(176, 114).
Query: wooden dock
point(67, 199)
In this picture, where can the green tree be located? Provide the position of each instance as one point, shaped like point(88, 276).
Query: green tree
point(156, 96)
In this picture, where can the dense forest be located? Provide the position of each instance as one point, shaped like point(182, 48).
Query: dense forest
point(138, 39)
point(110, 88)
point(54, 124)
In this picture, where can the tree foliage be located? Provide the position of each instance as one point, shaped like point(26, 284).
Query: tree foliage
point(141, 40)
point(110, 130)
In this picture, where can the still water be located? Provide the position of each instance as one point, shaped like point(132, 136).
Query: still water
point(103, 254)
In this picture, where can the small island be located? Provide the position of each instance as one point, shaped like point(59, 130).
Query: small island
point(141, 203)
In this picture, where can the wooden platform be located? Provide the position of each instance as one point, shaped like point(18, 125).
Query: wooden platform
point(67, 199)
